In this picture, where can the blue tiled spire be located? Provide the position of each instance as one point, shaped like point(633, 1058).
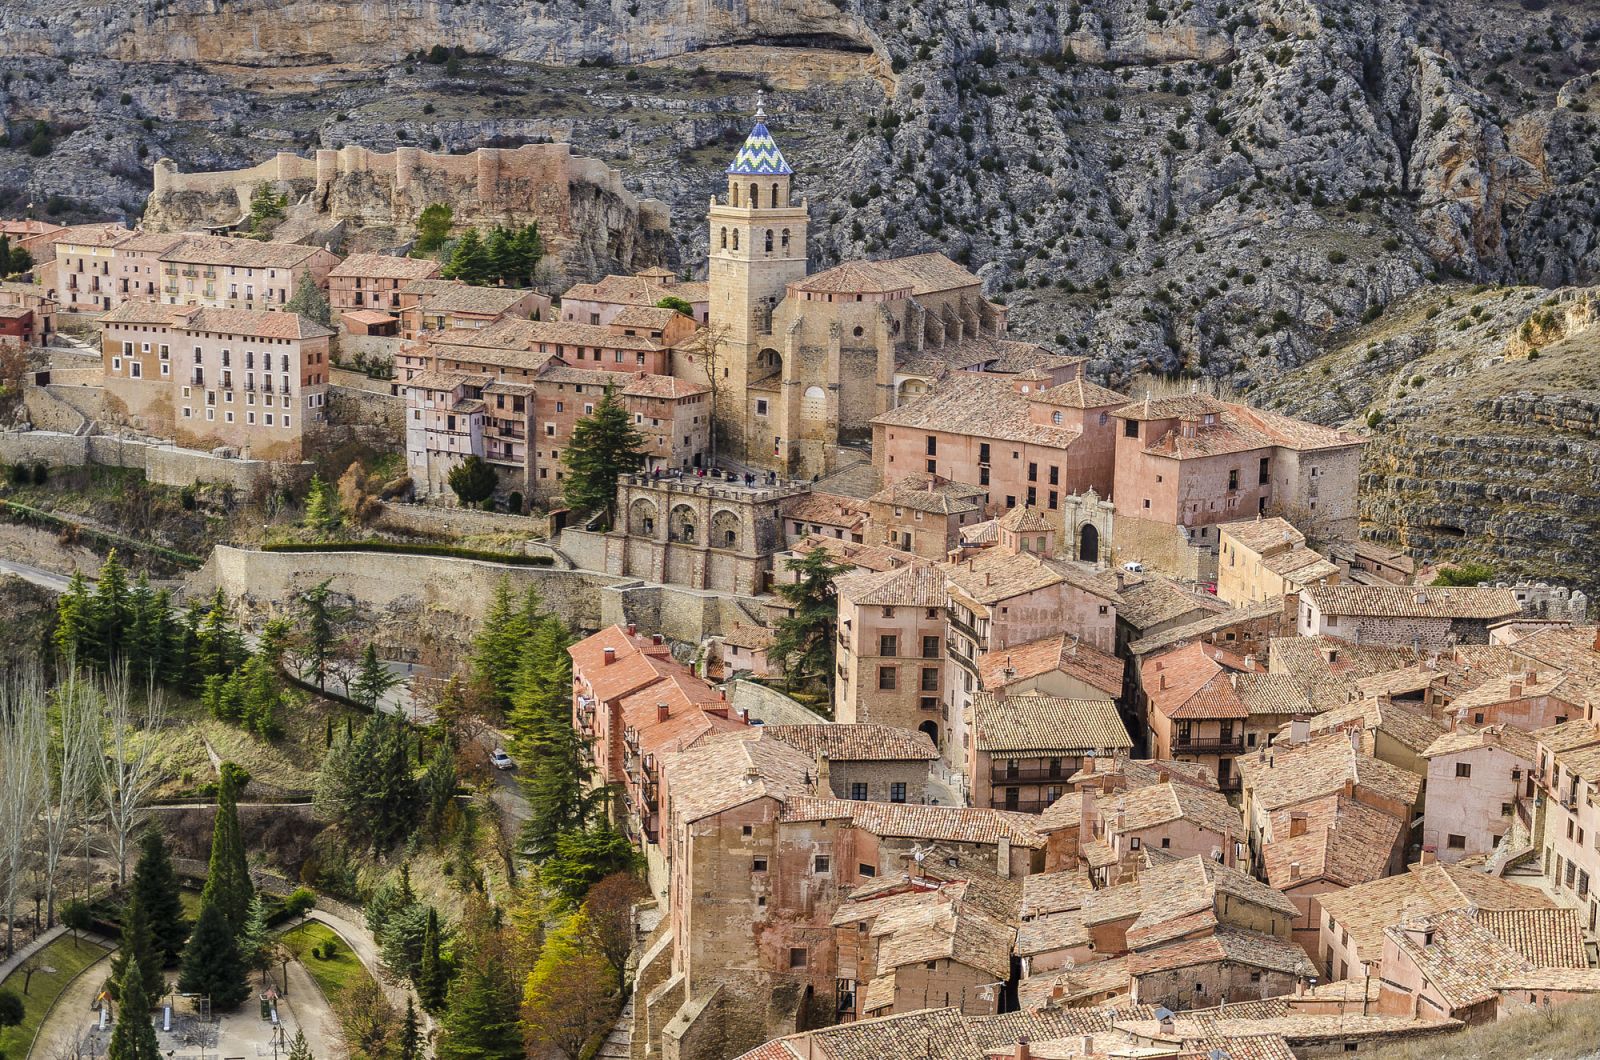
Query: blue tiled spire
point(760, 156)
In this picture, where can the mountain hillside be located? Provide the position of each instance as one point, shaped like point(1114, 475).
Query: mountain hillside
point(1207, 186)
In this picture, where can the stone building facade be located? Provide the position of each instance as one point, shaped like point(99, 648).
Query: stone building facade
point(703, 533)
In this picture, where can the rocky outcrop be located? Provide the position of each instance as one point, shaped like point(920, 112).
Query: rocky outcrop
point(1210, 187)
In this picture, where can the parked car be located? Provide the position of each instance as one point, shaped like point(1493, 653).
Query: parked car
point(1133, 565)
point(501, 760)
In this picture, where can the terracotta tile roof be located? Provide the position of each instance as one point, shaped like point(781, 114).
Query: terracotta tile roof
point(923, 494)
point(856, 481)
point(926, 1034)
point(921, 925)
point(386, 267)
point(650, 385)
point(1271, 694)
point(239, 253)
point(693, 712)
point(994, 575)
point(641, 316)
point(1202, 627)
point(1410, 728)
point(1404, 601)
point(731, 769)
point(246, 323)
point(1264, 534)
point(151, 242)
point(1088, 979)
point(1507, 738)
point(1061, 652)
point(1188, 683)
point(1031, 722)
point(1173, 407)
point(856, 553)
point(453, 296)
point(1399, 682)
point(922, 273)
point(855, 743)
point(825, 509)
point(1142, 772)
point(747, 635)
point(1512, 687)
point(1157, 804)
point(1079, 393)
point(98, 234)
point(1027, 520)
point(367, 316)
point(1571, 649)
point(1286, 774)
point(1547, 938)
point(1346, 842)
point(1568, 736)
point(955, 824)
point(1319, 1031)
point(645, 289)
point(1228, 944)
point(1150, 599)
point(1329, 682)
point(1044, 893)
point(983, 406)
point(1366, 910)
point(919, 584)
point(1463, 961)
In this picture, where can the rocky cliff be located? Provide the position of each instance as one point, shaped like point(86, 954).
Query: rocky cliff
point(1207, 186)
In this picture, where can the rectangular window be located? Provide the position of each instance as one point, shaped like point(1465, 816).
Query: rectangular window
point(930, 679)
point(858, 791)
point(758, 865)
point(1233, 479)
point(983, 452)
point(797, 957)
point(1463, 769)
point(761, 406)
point(1261, 475)
point(897, 792)
point(1457, 842)
point(888, 645)
point(1130, 428)
point(932, 448)
point(1033, 471)
point(866, 871)
point(930, 647)
point(821, 864)
point(886, 678)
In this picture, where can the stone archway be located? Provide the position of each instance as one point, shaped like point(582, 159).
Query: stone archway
point(724, 529)
point(932, 729)
point(681, 524)
point(814, 404)
point(642, 518)
point(1088, 543)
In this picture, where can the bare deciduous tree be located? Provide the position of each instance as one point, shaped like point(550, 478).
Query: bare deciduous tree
point(705, 350)
point(127, 761)
point(24, 745)
point(71, 771)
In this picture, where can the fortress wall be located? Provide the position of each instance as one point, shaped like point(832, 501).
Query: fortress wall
point(284, 166)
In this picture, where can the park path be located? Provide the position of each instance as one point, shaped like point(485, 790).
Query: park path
point(71, 1012)
point(365, 947)
point(310, 1011)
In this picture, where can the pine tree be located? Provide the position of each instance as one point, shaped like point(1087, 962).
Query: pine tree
point(219, 649)
point(228, 884)
point(804, 645)
point(497, 648)
point(470, 263)
point(502, 251)
point(433, 227)
point(481, 1021)
point(155, 884)
point(134, 1037)
point(316, 624)
point(439, 788)
point(604, 447)
point(432, 976)
point(111, 610)
point(555, 772)
point(323, 511)
point(253, 936)
point(309, 301)
point(410, 1035)
point(367, 780)
point(529, 253)
point(373, 680)
point(75, 621)
point(137, 954)
point(146, 645)
point(211, 963)
point(473, 481)
point(299, 1048)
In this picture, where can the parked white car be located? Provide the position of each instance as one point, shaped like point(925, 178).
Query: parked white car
point(1133, 565)
point(501, 760)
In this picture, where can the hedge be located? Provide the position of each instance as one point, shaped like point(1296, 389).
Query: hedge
point(23, 513)
point(407, 549)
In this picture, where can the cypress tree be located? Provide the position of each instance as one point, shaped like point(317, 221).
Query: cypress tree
point(211, 963)
point(137, 956)
point(432, 978)
point(373, 680)
point(135, 1035)
point(228, 885)
point(497, 649)
point(604, 447)
point(368, 781)
point(410, 1034)
point(155, 885)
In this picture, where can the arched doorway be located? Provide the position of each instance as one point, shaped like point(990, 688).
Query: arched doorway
point(1089, 544)
point(932, 729)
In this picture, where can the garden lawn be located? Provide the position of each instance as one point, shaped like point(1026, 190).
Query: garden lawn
point(65, 958)
point(334, 975)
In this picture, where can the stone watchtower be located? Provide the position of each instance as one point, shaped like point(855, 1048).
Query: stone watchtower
point(758, 248)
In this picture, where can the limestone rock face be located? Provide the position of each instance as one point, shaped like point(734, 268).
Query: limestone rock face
point(1212, 187)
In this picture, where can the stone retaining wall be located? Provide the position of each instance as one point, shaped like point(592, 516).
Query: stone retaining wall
point(164, 465)
point(439, 521)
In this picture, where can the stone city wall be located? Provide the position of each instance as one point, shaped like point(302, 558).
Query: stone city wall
point(163, 465)
point(440, 521)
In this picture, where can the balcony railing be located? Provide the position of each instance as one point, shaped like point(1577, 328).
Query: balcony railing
point(964, 628)
point(1028, 774)
point(1021, 805)
point(1209, 744)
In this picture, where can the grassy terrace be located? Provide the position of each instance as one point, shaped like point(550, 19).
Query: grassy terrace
point(59, 963)
point(334, 975)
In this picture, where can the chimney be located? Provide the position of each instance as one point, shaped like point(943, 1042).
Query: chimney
point(1165, 778)
point(1420, 597)
point(1122, 583)
point(663, 712)
point(655, 638)
point(633, 628)
point(1430, 854)
point(1294, 870)
point(1516, 690)
point(1162, 684)
point(751, 774)
point(1022, 1052)
point(824, 774)
point(1349, 789)
point(611, 656)
point(1299, 730)
point(1002, 858)
point(1530, 677)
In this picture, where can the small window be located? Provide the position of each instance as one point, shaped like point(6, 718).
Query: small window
point(1463, 769)
point(1505, 809)
point(1457, 842)
point(897, 792)
point(866, 871)
point(797, 954)
point(822, 863)
point(858, 791)
point(747, 830)
point(758, 865)
point(1133, 843)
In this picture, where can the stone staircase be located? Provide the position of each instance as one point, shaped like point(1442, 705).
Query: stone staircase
point(619, 1043)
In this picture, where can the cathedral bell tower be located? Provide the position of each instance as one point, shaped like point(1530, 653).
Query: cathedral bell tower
point(757, 248)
